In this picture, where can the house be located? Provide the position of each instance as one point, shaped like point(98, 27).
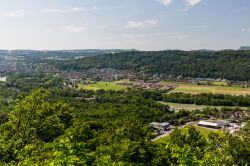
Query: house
point(159, 126)
point(3, 79)
point(207, 124)
point(74, 81)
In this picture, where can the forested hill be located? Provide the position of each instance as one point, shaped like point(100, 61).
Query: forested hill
point(232, 65)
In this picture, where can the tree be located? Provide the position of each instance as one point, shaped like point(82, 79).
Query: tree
point(34, 119)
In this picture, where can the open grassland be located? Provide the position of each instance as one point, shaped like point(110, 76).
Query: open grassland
point(218, 83)
point(178, 106)
point(203, 131)
point(191, 107)
point(103, 85)
point(196, 89)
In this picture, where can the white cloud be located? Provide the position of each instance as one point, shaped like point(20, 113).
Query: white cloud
point(202, 26)
point(12, 14)
point(48, 31)
point(77, 9)
point(167, 36)
point(127, 36)
point(66, 29)
point(73, 29)
point(67, 10)
point(54, 10)
point(165, 2)
point(141, 24)
point(192, 2)
point(245, 30)
point(172, 36)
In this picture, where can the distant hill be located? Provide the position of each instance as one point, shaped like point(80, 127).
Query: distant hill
point(245, 48)
point(232, 65)
point(58, 54)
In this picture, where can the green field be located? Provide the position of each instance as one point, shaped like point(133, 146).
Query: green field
point(203, 131)
point(196, 89)
point(217, 83)
point(103, 85)
point(191, 107)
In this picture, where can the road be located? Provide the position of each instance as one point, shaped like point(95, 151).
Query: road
point(167, 133)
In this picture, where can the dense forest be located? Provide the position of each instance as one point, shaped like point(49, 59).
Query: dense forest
point(232, 65)
point(63, 127)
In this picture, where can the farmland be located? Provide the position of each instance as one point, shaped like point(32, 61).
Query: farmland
point(181, 87)
point(196, 89)
point(103, 85)
point(190, 107)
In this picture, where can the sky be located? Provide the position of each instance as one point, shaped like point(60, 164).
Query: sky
point(124, 24)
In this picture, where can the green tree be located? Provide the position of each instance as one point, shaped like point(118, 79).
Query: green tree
point(34, 119)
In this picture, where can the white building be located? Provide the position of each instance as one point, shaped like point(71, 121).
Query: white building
point(207, 124)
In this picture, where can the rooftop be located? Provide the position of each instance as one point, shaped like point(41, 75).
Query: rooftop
point(205, 123)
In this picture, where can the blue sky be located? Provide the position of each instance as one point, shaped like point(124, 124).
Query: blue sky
point(126, 24)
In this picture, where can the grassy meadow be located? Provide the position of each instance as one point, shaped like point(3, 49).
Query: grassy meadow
point(215, 89)
point(203, 131)
point(103, 85)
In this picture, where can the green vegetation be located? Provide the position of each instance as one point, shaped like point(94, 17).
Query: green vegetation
point(43, 122)
point(205, 132)
point(191, 107)
point(231, 65)
point(102, 85)
point(179, 106)
point(58, 128)
point(196, 89)
point(208, 99)
point(246, 129)
point(181, 87)
point(219, 83)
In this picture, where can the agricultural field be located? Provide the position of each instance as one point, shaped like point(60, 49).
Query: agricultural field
point(218, 83)
point(196, 89)
point(103, 85)
point(178, 106)
point(203, 131)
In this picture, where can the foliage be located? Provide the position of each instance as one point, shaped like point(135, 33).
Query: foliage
point(232, 65)
point(208, 99)
point(112, 130)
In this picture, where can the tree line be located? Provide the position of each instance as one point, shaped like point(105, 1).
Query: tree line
point(232, 65)
point(208, 99)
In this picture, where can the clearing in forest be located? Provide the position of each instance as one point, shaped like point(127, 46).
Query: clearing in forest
point(203, 131)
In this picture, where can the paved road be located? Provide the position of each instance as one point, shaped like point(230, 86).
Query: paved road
point(163, 135)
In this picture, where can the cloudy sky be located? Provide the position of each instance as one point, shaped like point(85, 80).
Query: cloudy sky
point(139, 24)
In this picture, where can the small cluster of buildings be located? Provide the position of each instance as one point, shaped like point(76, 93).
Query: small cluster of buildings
point(166, 128)
point(225, 125)
point(209, 81)
point(160, 127)
point(144, 85)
